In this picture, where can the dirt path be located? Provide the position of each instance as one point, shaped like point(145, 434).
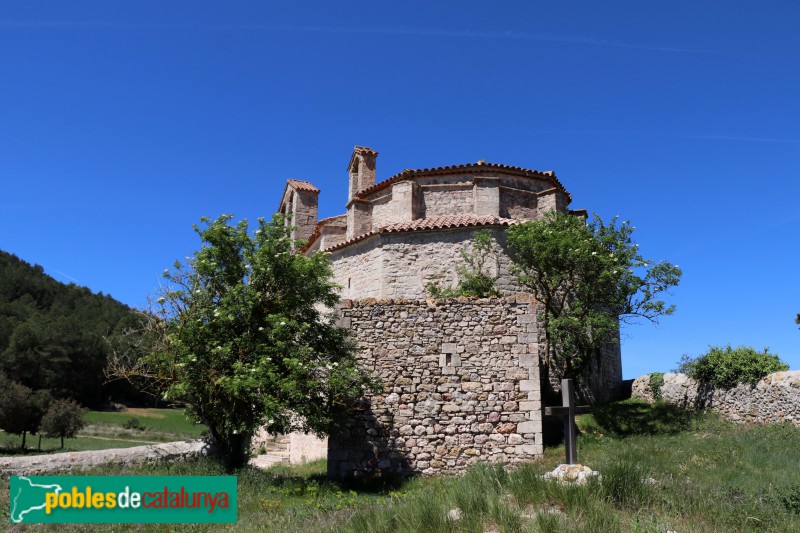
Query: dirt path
point(123, 440)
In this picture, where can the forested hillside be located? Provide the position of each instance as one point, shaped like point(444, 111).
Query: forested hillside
point(53, 336)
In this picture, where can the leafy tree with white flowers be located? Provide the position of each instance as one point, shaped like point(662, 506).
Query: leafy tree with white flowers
point(242, 336)
point(587, 277)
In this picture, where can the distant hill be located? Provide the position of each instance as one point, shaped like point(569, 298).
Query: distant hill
point(52, 335)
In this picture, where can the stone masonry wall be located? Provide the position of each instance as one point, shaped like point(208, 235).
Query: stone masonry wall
point(357, 269)
point(776, 398)
point(460, 384)
point(400, 265)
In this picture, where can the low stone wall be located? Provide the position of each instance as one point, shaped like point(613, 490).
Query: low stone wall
point(460, 384)
point(59, 462)
point(776, 398)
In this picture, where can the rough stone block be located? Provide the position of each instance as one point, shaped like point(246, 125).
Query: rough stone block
point(532, 426)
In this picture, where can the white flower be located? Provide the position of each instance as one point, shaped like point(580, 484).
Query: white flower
point(283, 323)
point(166, 271)
point(594, 253)
point(260, 328)
point(161, 300)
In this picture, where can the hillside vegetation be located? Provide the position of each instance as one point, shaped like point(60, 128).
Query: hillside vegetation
point(54, 336)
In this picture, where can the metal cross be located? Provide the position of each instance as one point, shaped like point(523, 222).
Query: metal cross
point(567, 411)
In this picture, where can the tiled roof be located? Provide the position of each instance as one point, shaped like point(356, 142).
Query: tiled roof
point(440, 222)
point(318, 228)
point(480, 165)
point(301, 185)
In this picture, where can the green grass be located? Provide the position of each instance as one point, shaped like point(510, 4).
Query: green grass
point(9, 444)
point(662, 470)
point(171, 421)
point(106, 430)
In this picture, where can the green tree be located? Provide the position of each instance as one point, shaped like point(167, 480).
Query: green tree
point(474, 280)
point(242, 338)
point(63, 419)
point(21, 409)
point(587, 277)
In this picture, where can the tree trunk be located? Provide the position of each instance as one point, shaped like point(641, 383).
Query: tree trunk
point(233, 450)
point(62, 442)
point(39, 445)
point(23, 439)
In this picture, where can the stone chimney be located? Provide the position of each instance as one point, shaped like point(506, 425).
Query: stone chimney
point(362, 176)
point(300, 203)
point(361, 169)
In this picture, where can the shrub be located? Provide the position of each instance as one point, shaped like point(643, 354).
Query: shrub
point(473, 280)
point(133, 423)
point(656, 381)
point(727, 367)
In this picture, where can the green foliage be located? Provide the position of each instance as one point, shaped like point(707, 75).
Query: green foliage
point(63, 419)
point(474, 280)
point(788, 497)
point(587, 276)
point(55, 336)
point(656, 381)
point(623, 485)
point(21, 409)
point(242, 341)
point(133, 423)
point(727, 367)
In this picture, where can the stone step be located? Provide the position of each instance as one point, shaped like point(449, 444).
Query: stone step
point(268, 460)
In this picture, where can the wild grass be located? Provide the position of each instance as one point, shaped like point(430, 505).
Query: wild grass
point(169, 421)
point(107, 429)
point(662, 470)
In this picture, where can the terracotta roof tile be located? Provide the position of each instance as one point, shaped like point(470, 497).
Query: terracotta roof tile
point(318, 229)
point(441, 222)
point(480, 165)
point(301, 185)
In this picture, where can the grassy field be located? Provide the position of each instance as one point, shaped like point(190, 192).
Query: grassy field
point(662, 470)
point(166, 422)
point(107, 429)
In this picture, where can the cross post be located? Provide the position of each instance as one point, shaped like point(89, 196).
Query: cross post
point(567, 412)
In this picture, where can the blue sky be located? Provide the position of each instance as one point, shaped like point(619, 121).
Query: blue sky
point(125, 122)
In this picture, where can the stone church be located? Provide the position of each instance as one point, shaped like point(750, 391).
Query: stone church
point(462, 378)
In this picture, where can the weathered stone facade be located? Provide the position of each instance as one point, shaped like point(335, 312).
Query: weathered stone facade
point(776, 398)
point(460, 382)
point(396, 237)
